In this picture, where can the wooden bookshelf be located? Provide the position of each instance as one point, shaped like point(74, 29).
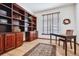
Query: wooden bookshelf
point(31, 33)
point(14, 20)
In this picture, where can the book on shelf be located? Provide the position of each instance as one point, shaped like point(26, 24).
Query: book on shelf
point(26, 19)
point(3, 21)
point(16, 16)
point(15, 22)
point(2, 12)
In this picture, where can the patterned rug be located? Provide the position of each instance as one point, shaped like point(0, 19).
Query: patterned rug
point(42, 49)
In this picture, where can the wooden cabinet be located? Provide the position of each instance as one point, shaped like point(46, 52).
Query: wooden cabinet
point(19, 39)
point(9, 41)
point(32, 35)
point(1, 44)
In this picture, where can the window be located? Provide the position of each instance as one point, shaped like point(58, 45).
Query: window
point(51, 23)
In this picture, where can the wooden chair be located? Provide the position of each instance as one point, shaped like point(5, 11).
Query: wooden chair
point(68, 32)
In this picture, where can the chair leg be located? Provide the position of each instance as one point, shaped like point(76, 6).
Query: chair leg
point(59, 43)
point(71, 44)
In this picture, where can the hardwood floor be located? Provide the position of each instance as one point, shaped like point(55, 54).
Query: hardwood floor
point(29, 45)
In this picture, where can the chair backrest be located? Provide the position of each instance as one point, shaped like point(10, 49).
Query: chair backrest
point(69, 32)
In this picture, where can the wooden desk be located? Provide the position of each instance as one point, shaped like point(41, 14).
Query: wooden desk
point(65, 37)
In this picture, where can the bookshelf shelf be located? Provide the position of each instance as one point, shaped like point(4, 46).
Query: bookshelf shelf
point(5, 16)
point(16, 12)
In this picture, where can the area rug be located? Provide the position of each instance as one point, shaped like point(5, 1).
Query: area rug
point(42, 49)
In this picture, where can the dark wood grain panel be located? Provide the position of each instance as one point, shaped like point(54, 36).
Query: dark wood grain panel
point(1, 44)
point(19, 39)
point(9, 41)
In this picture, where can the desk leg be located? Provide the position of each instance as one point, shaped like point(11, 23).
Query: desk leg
point(74, 45)
point(50, 39)
point(65, 46)
point(56, 39)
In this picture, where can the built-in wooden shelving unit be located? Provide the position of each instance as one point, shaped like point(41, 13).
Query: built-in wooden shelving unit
point(14, 22)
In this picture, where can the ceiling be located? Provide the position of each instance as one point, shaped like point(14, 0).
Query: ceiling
point(36, 7)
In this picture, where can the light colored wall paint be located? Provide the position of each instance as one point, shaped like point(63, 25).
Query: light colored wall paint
point(77, 21)
point(23, 5)
point(65, 12)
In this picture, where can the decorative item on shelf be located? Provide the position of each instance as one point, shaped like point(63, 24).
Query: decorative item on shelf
point(30, 17)
point(17, 17)
point(2, 12)
point(66, 21)
point(15, 22)
point(4, 21)
point(16, 29)
point(26, 19)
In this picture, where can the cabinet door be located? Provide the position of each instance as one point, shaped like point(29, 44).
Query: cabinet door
point(9, 41)
point(19, 39)
point(1, 44)
point(31, 36)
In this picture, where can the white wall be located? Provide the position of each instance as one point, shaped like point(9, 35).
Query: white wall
point(65, 12)
point(23, 5)
point(77, 21)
